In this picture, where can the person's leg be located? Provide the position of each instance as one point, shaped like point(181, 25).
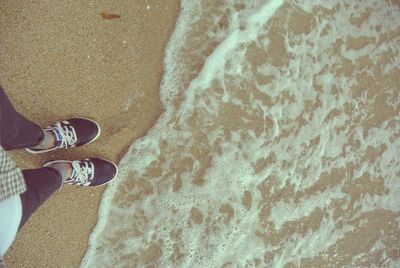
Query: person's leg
point(41, 183)
point(16, 132)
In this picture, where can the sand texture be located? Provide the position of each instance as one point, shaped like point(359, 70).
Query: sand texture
point(98, 59)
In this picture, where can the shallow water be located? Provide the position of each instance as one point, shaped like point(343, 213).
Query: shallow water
point(279, 146)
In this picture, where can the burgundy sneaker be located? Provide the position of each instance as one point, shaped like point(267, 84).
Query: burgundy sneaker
point(89, 172)
point(71, 133)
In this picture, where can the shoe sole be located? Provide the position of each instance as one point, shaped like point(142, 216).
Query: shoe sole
point(55, 148)
point(69, 161)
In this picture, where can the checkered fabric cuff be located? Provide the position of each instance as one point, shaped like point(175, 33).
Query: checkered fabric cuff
point(11, 179)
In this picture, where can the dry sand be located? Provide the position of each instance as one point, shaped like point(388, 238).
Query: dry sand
point(64, 59)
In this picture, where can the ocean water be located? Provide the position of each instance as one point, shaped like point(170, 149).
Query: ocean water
point(279, 146)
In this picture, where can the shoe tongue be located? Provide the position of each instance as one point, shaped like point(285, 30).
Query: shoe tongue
point(58, 136)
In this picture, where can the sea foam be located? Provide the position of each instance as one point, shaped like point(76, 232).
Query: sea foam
point(279, 144)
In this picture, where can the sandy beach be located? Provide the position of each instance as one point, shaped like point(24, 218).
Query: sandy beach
point(66, 59)
point(269, 138)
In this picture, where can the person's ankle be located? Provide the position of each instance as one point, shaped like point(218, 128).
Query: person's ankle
point(64, 169)
point(49, 140)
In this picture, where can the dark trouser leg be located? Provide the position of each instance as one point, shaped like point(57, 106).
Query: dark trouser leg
point(41, 183)
point(16, 132)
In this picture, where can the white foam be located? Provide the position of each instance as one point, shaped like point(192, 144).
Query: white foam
point(285, 211)
point(311, 244)
point(234, 134)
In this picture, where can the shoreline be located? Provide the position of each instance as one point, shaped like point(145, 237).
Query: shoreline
point(68, 72)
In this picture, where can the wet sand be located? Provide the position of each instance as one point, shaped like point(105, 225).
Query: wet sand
point(63, 60)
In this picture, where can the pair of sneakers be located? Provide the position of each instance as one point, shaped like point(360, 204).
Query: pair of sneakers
point(76, 132)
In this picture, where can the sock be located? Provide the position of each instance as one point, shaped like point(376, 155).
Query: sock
point(49, 140)
point(63, 169)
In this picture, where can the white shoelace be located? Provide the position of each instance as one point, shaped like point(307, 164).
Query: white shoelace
point(67, 135)
point(83, 173)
